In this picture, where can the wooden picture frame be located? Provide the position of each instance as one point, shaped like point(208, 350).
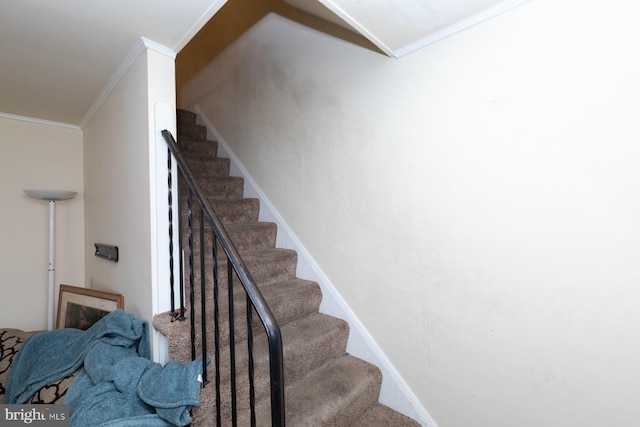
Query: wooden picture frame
point(81, 307)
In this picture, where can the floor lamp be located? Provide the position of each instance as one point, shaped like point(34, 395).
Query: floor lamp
point(51, 196)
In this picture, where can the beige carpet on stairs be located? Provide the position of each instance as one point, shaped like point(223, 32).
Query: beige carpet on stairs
point(324, 386)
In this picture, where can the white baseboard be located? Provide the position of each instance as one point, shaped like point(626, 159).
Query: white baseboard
point(395, 392)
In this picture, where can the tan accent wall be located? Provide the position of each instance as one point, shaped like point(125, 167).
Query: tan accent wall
point(233, 20)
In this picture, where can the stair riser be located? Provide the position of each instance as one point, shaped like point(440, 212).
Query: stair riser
point(218, 188)
point(263, 272)
point(185, 117)
point(217, 167)
point(241, 211)
point(192, 131)
point(237, 212)
point(249, 238)
point(307, 295)
point(198, 147)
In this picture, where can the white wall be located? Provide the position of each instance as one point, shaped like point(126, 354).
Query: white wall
point(476, 202)
point(119, 168)
point(37, 156)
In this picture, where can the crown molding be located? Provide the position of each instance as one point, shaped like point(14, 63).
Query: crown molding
point(39, 121)
point(346, 17)
point(157, 47)
point(489, 13)
point(140, 47)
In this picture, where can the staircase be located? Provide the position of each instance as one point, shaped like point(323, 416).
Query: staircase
point(324, 386)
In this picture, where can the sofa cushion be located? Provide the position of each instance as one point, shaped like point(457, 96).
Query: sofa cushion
point(10, 342)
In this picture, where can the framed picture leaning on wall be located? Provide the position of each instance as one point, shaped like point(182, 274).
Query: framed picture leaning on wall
point(81, 307)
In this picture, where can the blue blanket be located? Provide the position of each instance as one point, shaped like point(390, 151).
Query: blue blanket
point(118, 384)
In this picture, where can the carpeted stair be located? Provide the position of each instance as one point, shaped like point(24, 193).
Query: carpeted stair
point(324, 386)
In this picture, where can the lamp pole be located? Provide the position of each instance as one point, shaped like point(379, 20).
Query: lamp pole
point(51, 196)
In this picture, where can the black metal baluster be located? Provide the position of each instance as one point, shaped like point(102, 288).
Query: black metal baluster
point(181, 250)
point(203, 303)
point(252, 395)
point(170, 197)
point(232, 345)
point(276, 367)
point(191, 278)
point(216, 315)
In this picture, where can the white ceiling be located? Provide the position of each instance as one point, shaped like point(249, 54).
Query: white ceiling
point(399, 27)
point(58, 57)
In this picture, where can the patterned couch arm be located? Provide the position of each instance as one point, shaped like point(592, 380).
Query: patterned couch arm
point(11, 341)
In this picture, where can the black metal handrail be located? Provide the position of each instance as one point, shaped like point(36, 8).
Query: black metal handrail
point(254, 297)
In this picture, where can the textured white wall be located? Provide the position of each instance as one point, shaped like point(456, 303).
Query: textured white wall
point(116, 168)
point(476, 202)
point(37, 156)
point(119, 180)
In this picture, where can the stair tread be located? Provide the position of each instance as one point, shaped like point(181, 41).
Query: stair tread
point(305, 297)
point(205, 147)
point(186, 140)
point(192, 130)
point(228, 187)
point(382, 416)
point(256, 235)
point(236, 207)
point(308, 344)
point(222, 178)
point(251, 225)
point(212, 180)
point(216, 167)
point(260, 256)
point(310, 341)
point(245, 236)
point(298, 336)
point(336, 394)
point(272, 253)
point(317, 399)
point(271, 265)
point(235, 210)
point(247, 226)
point(306, 292)
point(195, 158)
point(266, 266)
